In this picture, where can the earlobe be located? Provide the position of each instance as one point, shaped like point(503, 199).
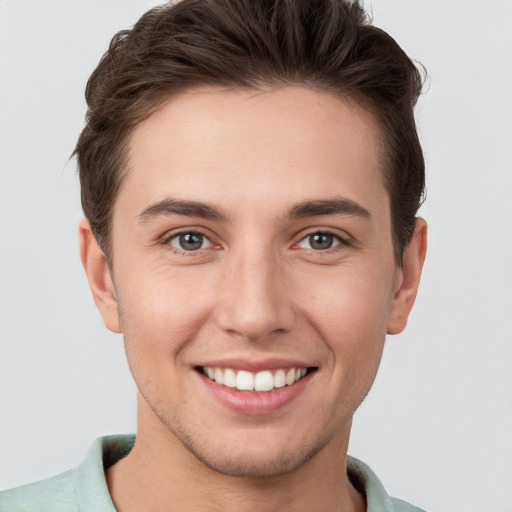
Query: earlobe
point(408, 279)
point(99, 277)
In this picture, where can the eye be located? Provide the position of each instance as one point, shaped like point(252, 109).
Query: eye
point(189, 241)
point(320, 241)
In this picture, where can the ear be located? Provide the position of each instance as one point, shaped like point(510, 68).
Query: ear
point(98, 274)
point(408, 279)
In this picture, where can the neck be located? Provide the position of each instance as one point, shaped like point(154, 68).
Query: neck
point(161, 474)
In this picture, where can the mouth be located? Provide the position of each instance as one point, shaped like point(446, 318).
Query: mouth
point(256, 388)
point(262, 381)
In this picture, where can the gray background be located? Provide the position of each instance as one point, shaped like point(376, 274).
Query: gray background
point(437, 427)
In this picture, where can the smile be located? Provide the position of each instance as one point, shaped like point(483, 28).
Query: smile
point(262, 381)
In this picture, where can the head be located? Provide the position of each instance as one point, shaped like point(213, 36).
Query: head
point(323, 45)
point(250, 174)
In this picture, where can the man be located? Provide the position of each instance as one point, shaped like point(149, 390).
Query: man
point(250, 176)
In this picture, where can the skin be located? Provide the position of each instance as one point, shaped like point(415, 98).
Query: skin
point(257, 289)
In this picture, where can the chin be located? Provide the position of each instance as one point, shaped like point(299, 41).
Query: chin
point(260, 452)
point(253, 462)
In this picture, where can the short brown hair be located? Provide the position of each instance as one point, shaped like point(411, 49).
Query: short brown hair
point(327, 45)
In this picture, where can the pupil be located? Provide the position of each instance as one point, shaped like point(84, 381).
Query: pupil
point(191, 241)
point(321, 241)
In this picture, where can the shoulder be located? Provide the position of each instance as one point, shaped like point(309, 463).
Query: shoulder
point(377, 499)
point(56, 494)
point(81, 489)
point(403, 506)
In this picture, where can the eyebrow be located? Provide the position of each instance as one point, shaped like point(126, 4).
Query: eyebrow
point(312, 208)
point(181, 207)
point(336, 206)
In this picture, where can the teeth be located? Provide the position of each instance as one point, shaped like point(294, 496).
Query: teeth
point(244, 381)
point(219, 376)
point(265, 380)
point(279, 379)
point(229, 378)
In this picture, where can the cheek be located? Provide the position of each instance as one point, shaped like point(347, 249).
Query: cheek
point(350, 313)
point(349, 298)
point(162, 312)
point(160, 320)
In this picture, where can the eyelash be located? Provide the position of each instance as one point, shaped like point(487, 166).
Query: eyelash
point(342, 242)
point(182, 252)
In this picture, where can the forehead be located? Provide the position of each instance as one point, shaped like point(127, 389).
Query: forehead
point(274, 146)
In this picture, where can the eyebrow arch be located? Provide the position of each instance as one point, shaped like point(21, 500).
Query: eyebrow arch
point(338, 205)
point(181, 207)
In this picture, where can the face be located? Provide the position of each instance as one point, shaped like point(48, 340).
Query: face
point(253, 274)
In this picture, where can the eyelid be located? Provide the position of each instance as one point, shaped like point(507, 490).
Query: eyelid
point(174, 233)
point(176, 236)
point(343, 238)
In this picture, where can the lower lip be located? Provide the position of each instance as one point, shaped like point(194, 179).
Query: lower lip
point(253, 402)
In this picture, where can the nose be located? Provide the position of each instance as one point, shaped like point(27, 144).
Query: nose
point(255, 300)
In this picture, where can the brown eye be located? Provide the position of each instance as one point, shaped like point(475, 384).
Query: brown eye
point(191, 241)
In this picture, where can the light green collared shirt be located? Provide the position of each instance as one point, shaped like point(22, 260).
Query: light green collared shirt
point(84, 489)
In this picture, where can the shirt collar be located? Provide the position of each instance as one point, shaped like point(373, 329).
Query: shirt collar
point(93, 495)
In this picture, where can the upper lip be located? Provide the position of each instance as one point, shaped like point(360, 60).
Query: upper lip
point(254, 365)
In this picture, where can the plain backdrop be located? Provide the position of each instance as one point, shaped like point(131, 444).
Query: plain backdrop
point(437, 426)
